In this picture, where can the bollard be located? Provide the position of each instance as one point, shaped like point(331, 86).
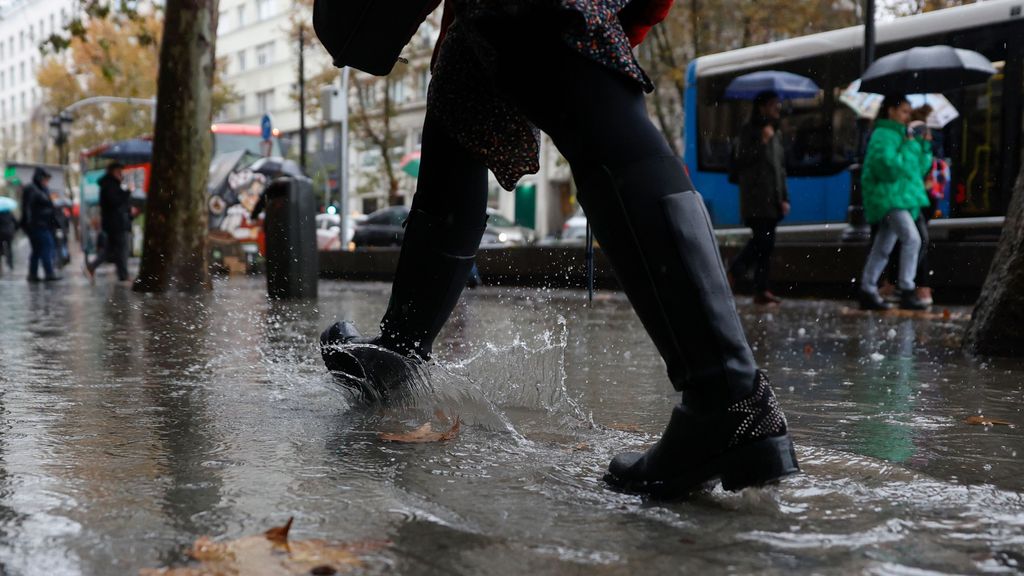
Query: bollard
point(292, 259)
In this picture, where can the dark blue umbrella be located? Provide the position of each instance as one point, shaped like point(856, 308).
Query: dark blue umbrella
point(132, 151)
point(786, 84)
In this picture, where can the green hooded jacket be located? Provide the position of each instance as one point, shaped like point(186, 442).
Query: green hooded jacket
point(893, 174)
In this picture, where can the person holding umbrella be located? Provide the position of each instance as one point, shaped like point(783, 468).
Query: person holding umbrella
point(760, 168)
point(892, 181)
point(116, 223)
point(484, 110)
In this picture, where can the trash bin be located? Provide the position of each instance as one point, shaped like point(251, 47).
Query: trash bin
point(290, 223)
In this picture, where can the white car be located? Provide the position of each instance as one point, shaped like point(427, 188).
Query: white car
point(575, 228)
point(328, 232)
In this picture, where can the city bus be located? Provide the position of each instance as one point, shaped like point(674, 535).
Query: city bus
point(820, 134)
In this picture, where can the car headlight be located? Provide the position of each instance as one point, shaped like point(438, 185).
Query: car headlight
point(502, 237)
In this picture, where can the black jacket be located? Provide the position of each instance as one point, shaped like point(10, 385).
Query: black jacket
point(8, 225)
point(115, 206)
point(37, 210)
point(761, 169)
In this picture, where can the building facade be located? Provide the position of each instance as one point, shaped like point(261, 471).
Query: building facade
point(24, 26)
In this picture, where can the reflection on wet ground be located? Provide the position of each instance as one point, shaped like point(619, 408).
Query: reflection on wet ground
point(131, 424)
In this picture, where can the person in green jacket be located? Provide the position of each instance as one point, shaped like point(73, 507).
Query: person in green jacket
point(892, 181)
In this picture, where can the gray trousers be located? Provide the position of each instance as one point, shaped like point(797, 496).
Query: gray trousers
point(897, 225)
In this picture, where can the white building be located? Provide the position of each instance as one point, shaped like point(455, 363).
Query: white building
point(24, 25)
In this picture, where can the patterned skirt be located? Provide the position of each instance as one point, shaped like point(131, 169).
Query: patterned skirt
point(463, 93)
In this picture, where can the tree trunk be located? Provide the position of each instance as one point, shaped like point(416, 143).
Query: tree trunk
point(175, 253)
point(997, 326)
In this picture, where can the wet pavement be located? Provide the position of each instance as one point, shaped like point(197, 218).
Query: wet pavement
point(132, 424)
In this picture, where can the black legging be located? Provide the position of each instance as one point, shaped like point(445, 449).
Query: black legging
point(567, 96)
point(757, 252)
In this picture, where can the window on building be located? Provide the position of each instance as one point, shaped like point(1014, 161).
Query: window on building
point(51, 24)
point(398, 92)
point(241, 106)
point(241, 15)
point(265, 54)
point(21, 41)
point(21, 68)
point(3, 83)
point(264, 9)
point(63, 18)
point(1, 50)
point(241, 61)
point(23, 102)
point(424, 82)
point(264, 101)
point(222, 23)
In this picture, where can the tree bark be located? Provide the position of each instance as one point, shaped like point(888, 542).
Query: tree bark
point(175, 252)
point(997, 325)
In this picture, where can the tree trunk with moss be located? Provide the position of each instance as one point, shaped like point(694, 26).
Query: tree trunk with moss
point(997, 326)
point(175, 252)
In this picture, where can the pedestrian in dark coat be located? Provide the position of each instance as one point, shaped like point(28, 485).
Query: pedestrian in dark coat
point(8, 226)
point(764, 196)
point(576, 78)
point(115, 223)
point(38, 219)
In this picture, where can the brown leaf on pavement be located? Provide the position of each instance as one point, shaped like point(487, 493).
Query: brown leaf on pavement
point(979, 420)
point(424, 434)
point(270, 554)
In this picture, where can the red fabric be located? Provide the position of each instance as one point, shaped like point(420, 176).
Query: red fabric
point(638, 17)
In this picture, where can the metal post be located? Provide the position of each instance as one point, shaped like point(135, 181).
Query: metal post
point(302, 98)
point(858, 229)
point(343, 160)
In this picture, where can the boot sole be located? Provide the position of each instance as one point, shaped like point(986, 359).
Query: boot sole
point(756, 464)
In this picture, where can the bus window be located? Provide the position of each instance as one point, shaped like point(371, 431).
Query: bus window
point(224, 142)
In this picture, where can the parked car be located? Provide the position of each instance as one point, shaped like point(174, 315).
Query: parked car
point(384, 228)
point(503, 232)
point(575, 228)
point(381, 228)
point(328, 232)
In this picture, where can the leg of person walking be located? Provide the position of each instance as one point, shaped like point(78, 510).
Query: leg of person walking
point(442, 235)
point(923, 276)
point(910, 248)
point(741, 263)
point(120, 251)
point(654, 229)
point(764, 235)
point(878, 258)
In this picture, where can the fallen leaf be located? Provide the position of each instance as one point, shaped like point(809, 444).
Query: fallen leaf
point(624, 427)
point(279, 533)
point(979, 420)
point(424, 434)
point(808, 349)
point(270, 554)
point(946, 314)
point(582, 446)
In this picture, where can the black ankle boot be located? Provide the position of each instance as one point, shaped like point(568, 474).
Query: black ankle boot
point(872, 301)
point(745, 444)
point(654, 229)
point(910, 301)
point(433, 267)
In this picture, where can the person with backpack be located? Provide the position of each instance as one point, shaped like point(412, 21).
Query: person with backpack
point(759, 168)
point(578, 80)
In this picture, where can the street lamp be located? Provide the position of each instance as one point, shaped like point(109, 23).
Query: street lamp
point(60, 129)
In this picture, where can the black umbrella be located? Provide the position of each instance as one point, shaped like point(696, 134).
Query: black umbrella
point(276, 166)
point(133, 151)
point(926, 69)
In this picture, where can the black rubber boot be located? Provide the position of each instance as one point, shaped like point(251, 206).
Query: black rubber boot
point(433, 267)
point(873, 301)
point(910, 301)
point(655, 230)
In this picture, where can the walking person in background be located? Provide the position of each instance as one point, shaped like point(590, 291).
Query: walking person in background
point(578, 80)
point(38, 220)
point(764, 198)
point(115, 222)
point(8, 226)
point(893, 188)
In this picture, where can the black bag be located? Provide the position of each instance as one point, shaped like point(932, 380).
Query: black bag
point(368, 35)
